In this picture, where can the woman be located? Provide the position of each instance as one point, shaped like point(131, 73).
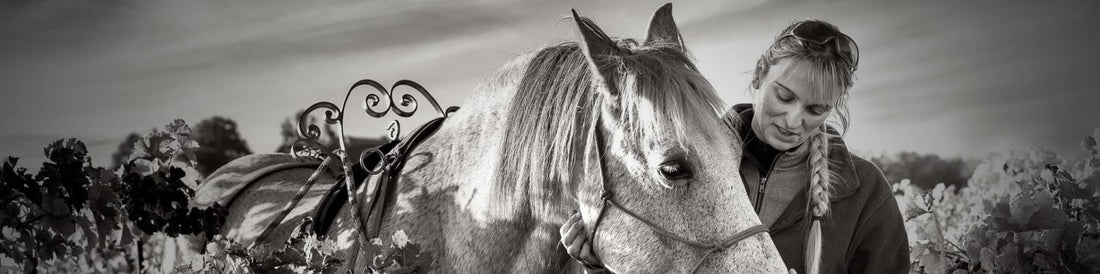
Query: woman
point(811, 192)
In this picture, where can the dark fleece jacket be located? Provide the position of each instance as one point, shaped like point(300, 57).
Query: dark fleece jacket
point(864, 230)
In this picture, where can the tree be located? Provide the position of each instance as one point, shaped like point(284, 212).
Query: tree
point(925, 170)
point(124, 150)
point(219, 143)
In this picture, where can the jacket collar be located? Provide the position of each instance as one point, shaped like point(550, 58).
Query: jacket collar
point(840, 160)
point(840, 164)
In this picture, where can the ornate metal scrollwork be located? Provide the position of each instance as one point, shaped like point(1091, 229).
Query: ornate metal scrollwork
point(308, 145)
point(378, 102)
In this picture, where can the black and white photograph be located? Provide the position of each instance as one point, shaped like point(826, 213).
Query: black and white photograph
point(520, 136)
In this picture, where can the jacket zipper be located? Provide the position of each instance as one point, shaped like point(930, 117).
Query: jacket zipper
point(764, 183)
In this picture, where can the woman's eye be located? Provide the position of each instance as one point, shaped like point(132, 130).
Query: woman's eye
point(785, 99)
point(675, 171)
point(818, 110)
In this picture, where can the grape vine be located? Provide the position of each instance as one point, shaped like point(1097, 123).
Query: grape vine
point(72, 216)
point(1026, 212)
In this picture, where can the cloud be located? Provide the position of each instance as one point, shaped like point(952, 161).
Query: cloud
point(935, 76)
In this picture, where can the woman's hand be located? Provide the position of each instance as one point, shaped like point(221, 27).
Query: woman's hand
point(575, 240)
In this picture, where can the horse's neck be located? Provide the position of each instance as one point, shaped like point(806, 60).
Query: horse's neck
point(446, 184)
point(463, 161)
point(465, 154)
point(467, 148)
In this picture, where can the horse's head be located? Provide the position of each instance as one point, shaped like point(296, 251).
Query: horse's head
point(638, 120)
point(668, 158)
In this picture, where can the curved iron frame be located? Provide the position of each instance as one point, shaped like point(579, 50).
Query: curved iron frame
point(309, 134)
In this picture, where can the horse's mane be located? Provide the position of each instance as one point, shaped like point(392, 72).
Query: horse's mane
point(554, 107)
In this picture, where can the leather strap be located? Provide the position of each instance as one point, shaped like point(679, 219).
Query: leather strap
point(293, 202)
point(385, 191)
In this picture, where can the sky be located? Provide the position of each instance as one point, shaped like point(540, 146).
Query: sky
point(954, 78)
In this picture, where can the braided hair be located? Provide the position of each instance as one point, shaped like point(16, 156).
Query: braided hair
point(820, 185)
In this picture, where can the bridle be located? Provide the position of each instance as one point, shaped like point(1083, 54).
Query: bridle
point(607, 199)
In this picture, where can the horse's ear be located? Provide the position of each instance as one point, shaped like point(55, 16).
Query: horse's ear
point(596, 46)
point(662, 29)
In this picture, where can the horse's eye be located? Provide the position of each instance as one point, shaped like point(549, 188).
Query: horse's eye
point(675, 171)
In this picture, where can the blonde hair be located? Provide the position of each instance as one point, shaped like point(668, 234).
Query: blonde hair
point(828, 69)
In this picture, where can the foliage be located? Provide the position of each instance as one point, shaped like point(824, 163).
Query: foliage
point(219, 143)
point(74, 217)
point(303, 252)
point(400, 256)
point(306, 252)
point(1027, 212)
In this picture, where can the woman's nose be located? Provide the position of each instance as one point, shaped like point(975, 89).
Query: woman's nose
point(794, 118)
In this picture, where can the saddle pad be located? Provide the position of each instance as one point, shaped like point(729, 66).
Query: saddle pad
point(225, 184)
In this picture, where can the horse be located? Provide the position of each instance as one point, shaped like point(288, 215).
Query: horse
point(629, 133)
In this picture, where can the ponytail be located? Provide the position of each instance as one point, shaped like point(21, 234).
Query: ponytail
point(820, 185)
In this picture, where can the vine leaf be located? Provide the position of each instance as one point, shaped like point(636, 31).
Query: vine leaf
point(930, 259)
point(913, 210)
point(1047, 218)
point(1022, 207)
point(987, 258)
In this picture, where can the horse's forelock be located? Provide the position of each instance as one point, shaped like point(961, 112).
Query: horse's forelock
point(665, 92)
point(545, 135)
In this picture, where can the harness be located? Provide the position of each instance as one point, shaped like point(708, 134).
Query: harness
point(385, 162)
point(607, 200)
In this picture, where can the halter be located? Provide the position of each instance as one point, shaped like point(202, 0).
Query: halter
point(608, 200)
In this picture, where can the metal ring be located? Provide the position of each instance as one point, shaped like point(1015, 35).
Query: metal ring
point(382, 161)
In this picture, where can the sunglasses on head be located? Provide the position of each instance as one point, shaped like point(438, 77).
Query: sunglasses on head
point(820, 33)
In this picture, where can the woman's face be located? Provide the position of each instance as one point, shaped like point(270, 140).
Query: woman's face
point(790, 106)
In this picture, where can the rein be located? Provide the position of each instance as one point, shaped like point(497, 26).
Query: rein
point(293, 202)
point(607, 199)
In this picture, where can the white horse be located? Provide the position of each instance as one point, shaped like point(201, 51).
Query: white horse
point(545, 135)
